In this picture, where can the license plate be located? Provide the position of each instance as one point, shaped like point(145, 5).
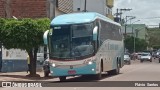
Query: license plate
point(71, 72)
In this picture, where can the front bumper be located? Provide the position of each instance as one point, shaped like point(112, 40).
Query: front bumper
point(145, 59)
point(83, 70)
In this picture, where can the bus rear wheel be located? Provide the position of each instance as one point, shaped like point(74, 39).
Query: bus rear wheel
point(115, 71)
point(62, 78)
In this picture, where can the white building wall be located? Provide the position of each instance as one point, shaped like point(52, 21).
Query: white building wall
point(98, 6)
point(58, 12)
point(13, 54)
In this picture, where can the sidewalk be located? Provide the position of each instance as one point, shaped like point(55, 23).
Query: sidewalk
point(21, 76)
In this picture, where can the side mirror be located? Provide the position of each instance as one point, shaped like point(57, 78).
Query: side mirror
point(95, 33)
point(45, 37)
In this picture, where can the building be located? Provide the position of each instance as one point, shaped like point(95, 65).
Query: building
point(103, 7)
point(137, 30)
point(34, 8)
point(15, 59)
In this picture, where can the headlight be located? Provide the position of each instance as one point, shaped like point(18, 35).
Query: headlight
point(90, 62)
point(53, 65)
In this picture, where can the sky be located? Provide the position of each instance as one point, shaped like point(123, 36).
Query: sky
point(147, 11)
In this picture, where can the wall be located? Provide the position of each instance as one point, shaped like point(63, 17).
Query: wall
point(103, 7)
point(2, 10)
point(100, 6)
point(24, 8)
point(34, 8)
point(29, 8)
point(14, 60)
point(13, 54)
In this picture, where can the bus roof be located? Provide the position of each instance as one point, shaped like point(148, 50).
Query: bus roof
point(76, 18)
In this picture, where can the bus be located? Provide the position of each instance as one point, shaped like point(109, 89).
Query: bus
point(85, 43)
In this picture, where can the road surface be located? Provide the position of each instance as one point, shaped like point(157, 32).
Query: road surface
point(146, 71)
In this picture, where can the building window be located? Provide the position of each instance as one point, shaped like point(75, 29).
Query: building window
point(107, 10)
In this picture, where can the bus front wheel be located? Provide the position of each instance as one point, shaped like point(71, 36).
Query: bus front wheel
point(99, 75)
point(62, 78)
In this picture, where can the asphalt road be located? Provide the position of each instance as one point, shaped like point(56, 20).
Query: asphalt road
point(130, 75)
point(146, 71)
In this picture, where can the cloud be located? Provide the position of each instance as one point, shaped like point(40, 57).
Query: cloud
point(141, 9)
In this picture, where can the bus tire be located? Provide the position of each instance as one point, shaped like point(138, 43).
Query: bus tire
point(115, 71)
point(62, 78)
point(99, 75)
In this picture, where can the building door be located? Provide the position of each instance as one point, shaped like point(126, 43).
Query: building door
point(0, 57)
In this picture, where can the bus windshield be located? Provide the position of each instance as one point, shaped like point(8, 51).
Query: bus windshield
point(71, 41)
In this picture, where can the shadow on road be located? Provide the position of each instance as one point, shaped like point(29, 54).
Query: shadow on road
point(86, 78)
point(26, 78)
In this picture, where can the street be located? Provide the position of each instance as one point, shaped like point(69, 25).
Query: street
point(43, 41)
point(146, 71)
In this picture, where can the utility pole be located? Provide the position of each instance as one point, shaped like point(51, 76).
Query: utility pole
point(121, 10)
point(120, 14)
point(134, 42)
point(85, 6)
point(117, 13)
point(131, 17)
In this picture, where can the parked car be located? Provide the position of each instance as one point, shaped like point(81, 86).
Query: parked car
point(127, 59)
point(154, 54)
point(158, 58)
point(146, 57)
point(46, 68)
point(139, 55)
point(157, 54)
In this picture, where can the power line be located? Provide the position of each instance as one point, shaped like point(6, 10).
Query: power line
point(150, 18)
point(152, 25)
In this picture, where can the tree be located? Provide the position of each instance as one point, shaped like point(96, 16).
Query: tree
point(25, 34)
point(154, 38)
point(140, 44)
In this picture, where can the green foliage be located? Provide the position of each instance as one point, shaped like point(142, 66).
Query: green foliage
point(154, 38)
point(156, 47)
point(2, 22)
point(140, 44)
point(23, 34)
